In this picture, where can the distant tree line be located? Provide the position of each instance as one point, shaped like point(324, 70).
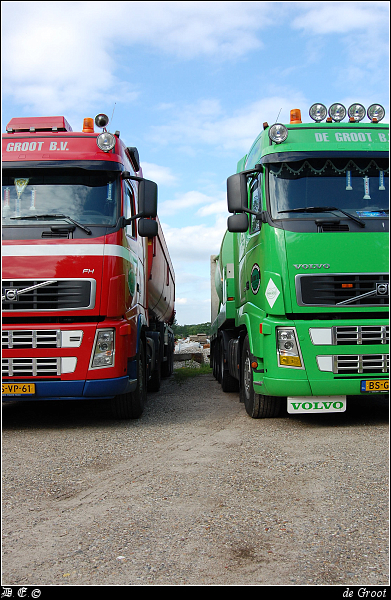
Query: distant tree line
point(183, 331)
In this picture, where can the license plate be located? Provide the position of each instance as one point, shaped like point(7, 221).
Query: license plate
point(316, 404)
point(375, 385)
point(17, 389)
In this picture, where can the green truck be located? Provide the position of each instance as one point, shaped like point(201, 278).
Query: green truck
point(300, 286)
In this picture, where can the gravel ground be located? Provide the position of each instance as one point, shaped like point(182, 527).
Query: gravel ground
point(194, 493)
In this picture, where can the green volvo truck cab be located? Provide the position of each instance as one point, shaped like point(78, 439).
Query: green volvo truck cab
point(302, 276)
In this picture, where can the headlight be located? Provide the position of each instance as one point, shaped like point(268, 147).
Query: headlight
point(288, 350)
point(103, 352)
point(356, 112)
point(376, 111)
point(105, 141)
point(278, 133)
point(337, 112)
point(318, 112)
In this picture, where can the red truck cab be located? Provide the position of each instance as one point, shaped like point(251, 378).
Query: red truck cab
point(82, 315)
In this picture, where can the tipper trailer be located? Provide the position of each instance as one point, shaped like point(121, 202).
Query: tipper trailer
point(87, 295)
point(302, 277)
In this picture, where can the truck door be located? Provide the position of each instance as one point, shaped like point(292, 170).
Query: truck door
point(250, 268)
point(135, 283)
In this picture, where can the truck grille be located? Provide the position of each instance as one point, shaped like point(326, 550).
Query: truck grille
point(342, 290)
point(31, 339)
point(360, 335)
point(360, 363)
point(31, 367)
point(48, 294)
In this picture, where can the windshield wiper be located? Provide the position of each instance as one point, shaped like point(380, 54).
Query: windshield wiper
point(26, 217)
point(315, 209)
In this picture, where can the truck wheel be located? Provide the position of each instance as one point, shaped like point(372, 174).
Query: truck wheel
point(155, 380)
point(218, 362)
point(213, 359)
point(131, 404)
point(228, 383)
point(167, 367)
point(257, 406)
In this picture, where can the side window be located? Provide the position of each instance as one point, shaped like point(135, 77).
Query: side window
point(129, 209)
point(255, 204)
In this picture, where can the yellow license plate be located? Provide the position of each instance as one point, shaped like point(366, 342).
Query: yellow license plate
point(375, 385)
point(17, 389)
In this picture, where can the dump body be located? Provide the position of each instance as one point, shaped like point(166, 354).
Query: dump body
point(86, 313)
point(310, 303)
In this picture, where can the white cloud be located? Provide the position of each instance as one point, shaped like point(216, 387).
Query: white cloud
point(58, 57)
point(181, 300)
point(194, 243)
point(62, 55)
point(363, 34)
point(219, 207)
point(161, 175)
point(340, 17)
point(206, 122)
point(190, 29)
point(185, 201)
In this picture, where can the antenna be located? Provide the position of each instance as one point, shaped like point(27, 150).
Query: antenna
point(111, 120)
point(278, 115)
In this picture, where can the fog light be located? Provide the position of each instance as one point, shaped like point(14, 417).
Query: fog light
point(318, 112)
point(337, 112)
point(376, 112)
point(105, 141)
point(278, 133)
point(290, 361)
point(356, 112)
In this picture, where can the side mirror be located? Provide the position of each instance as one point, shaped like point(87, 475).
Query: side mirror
point(237, 193)
point(147, 198)
point(238, 223)
point(134, 157)
point(147, 228)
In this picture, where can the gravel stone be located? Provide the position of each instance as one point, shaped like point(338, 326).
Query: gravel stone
point(194, 493)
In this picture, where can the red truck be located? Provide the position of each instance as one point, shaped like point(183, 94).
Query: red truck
point(88, 284)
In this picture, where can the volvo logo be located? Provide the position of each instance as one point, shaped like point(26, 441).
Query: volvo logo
point(10, 294)
point(382, 289)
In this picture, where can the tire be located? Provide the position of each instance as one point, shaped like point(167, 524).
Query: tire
point(155, 380)
point(213, 354)
point(228, 383)
point(257, 406)
point(167, 367)
point(131, 405)
point(218, 362)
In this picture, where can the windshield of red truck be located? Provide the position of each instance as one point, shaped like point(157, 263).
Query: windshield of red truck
point(358, 186)
point(89, 197)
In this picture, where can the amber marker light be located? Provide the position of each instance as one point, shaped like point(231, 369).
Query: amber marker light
point(88, 125)
point(295, 116)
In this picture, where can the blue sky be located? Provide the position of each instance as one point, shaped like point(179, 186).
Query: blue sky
point(190, 84)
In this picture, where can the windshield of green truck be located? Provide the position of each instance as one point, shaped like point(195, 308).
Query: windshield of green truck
point(358, 186)
point(89, 197)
